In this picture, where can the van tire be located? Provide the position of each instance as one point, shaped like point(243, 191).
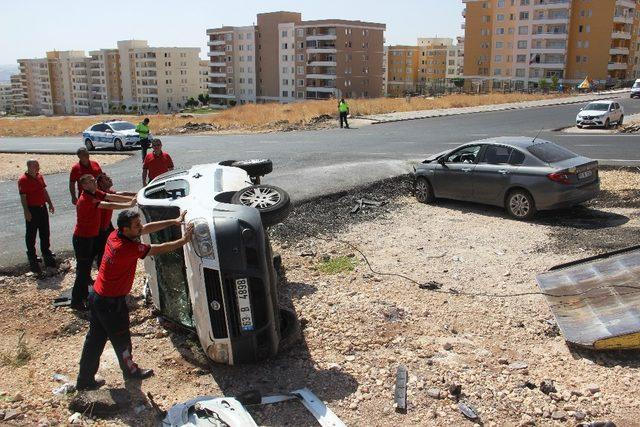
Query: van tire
point(273, 203)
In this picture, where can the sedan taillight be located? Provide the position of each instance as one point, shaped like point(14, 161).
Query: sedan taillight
point(561, 177)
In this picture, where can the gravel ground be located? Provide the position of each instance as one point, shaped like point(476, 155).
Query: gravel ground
point(491, 353)
point(14, 164)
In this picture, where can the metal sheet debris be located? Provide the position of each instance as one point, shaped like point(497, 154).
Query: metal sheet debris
point(401, 389)
point(595, 300)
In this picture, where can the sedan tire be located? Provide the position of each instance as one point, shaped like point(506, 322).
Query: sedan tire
point(117, 144)
point(607, 124)
point(273, 203)
point(89, 144)
point(621, 121)
point(424, 191)
point(520, 205)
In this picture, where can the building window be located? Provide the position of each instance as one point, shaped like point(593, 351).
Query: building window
point(523, 30)
point(519, 72)
point(522, 44)
point(285, 94)
point(524, 16)
point(300, 32)
point(284, 33)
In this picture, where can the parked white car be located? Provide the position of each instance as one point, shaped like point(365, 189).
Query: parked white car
point(224, 284)
point(116, 134)
point(600, 113)
point(635, 89)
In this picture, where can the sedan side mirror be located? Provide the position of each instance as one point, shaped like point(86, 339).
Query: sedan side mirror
point(441, 161)
point(108, 131)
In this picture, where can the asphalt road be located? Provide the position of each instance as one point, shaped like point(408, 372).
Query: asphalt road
point(313, 163)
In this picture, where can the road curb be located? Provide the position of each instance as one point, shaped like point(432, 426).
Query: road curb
point(497, 107)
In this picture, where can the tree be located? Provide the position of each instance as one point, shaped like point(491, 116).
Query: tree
point(123, 107)
point(458, 82)
point(134, 108)
point(543, 84)
point(202, 99)
point(554, 82)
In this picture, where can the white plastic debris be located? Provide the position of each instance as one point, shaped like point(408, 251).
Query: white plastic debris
point(64, 389)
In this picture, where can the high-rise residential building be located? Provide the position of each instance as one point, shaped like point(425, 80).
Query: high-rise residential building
point(6, 98)
point(283, 58)
point(133, 76)
point(524, 41)
point(19, 103)
point(455, 60)
point(402, 70)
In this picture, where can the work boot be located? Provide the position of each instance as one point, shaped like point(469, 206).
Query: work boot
point(89, 385)
point(139, 374)
point(33, 263)
point(50, 261)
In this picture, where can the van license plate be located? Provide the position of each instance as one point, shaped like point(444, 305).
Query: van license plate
point(585, 174)
point(244, 304)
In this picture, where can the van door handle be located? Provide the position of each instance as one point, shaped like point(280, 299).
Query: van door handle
point(503, 171)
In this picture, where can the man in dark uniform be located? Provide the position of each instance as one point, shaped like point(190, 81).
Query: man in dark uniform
point(105, 184)
point(109, 318)
point(35, 198)
point(85, 235)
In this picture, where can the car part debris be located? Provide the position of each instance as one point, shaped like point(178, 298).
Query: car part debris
point(64, 300)
point(361, 203)
point(64, 389)
point(230, 412)
point(468, 411)
point(431, 285)
point(595, 300)
point(401, 389)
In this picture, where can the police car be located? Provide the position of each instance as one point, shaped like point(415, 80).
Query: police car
point(116, 134)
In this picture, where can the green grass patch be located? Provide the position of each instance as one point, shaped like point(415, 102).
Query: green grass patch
point(341, 264)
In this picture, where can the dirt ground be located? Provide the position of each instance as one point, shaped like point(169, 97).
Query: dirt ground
point(14, 164)
point(493, 353)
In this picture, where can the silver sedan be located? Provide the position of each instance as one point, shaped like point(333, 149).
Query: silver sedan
point(524, 175)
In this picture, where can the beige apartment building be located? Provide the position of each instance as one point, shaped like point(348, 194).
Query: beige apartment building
point(6, 98)
point(135, 75)
point(524, 41)
point(283, 59)
point(401, 70)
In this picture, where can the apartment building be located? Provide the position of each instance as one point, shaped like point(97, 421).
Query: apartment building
point(524, 41)
point(455, 60)
point(135, 75)
point(6, 98)
point(18, 102)
point(283, 58)
point(402, 70)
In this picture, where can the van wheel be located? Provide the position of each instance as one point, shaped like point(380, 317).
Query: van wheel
point(621, 121)
point(290, 332)
point(89, 144)
point(607, 124)
point(255, 167)
point(273, 203)
point(118, 145)
point(520, 205)
point(424, 191)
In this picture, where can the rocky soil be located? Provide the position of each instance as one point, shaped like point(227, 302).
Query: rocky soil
point(501, 356)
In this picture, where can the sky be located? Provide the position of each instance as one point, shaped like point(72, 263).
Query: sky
point(29, 28)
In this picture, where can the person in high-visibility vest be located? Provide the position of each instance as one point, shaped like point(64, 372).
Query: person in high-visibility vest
point(143, 130)
point(343, 108)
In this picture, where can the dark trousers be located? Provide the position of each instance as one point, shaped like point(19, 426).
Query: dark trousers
point(343, 118)
point(84, 248)
point(101, 241)
point(144, 146)
point(108, 320)
point(39, 224)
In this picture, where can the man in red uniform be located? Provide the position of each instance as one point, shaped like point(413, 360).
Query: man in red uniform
point(156, 163)
point(85, 166)
point(88, 207)
point(34, 198)
point(109, 318)
point(105, 184)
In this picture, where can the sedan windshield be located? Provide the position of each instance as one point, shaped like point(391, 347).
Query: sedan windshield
point(636, 85)
point(594, 106)
point(123, 126)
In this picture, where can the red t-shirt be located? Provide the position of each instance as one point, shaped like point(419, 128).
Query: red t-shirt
point(88, 214)
point(105, 215)
point(78, 170)
point(157, 165)
point(33, 188)
point(118, 268)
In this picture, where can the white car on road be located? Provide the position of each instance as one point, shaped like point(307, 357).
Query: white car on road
point(116, 134)
point(600, 113)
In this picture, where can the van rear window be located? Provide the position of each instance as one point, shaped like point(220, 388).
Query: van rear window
point(549, 152)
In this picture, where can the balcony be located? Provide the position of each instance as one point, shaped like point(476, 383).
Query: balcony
point(216, 43)
point(624, 35)
point(320, 37)
point(549, 64)
point(549, 49)
point(619, 51)
point(321, 76)
point(631, 4)
point(623, 19)
point(550, 35)
point(551, 20)
point(322, 49)
point(617, 66)
point(212, 74)
point(222, 95)
point(321, 89)
point(552, 4)
point(217, 84)
point(217, 64)
point(216, 53)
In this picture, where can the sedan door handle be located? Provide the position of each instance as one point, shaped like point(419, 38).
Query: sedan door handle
point(503, 171)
